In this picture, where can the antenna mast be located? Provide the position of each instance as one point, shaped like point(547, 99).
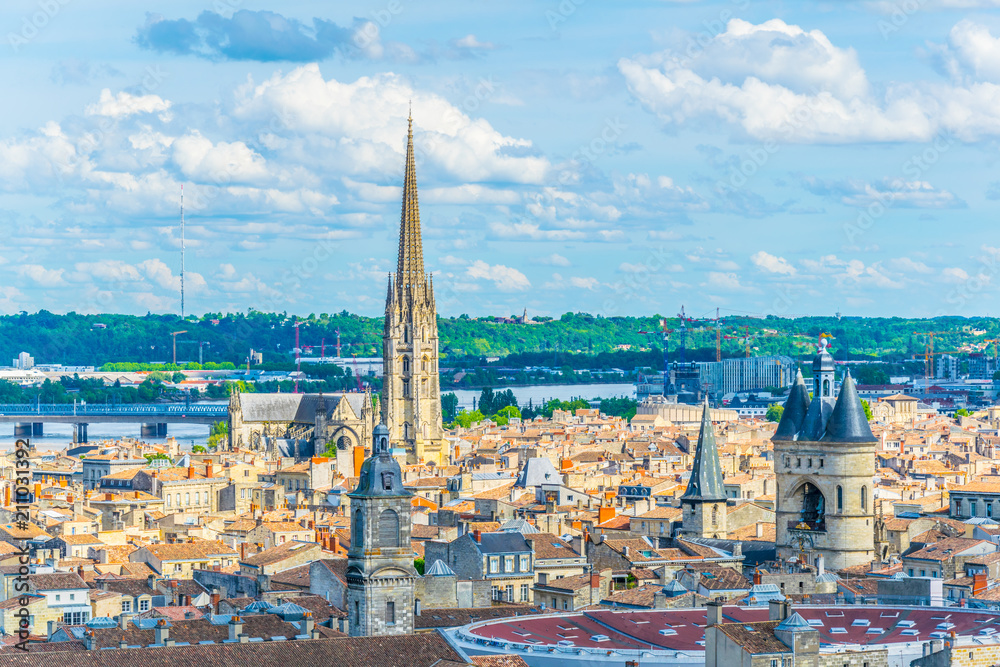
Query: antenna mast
point(182, 251)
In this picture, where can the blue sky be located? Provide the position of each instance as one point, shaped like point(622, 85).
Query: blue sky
point(789, 158)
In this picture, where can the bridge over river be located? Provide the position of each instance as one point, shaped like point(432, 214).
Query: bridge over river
point(29, 418)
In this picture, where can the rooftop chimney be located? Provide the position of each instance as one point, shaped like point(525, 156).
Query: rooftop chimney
point(236, 630)
point(162, 632)
point(208, 469)
point(190, 472)
point(477, 535)
point(123, 621)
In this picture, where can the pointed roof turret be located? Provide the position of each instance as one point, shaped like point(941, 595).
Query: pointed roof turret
point(410, 267)
point(848, 423)
point(796, 406)
point(706, 473)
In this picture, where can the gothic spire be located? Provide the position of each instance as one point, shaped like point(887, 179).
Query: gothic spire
point(410, 269)
point(706, 473)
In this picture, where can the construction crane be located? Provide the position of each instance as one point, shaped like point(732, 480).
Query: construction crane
point(201, 346)
point(298, 356)
point(929, 349)
point(665, 332)
point(175, 334)
point(357, 374)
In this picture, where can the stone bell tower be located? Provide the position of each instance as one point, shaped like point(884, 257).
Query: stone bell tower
point(704, 502)
point(824, 463)
point(411, 392)
point(380, 573)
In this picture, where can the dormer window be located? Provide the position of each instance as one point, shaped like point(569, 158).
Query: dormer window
point(387, 481)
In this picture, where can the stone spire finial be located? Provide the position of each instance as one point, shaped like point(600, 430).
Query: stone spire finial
point(410, 268)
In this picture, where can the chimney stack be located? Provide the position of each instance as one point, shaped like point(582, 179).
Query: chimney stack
point(477, 535)
point(236, 630)
point(208, 469)
point(162, 632)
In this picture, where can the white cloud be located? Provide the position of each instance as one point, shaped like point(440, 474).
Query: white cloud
point(555, 259)
point(472, 43)
point(200, 159)
point(505, 278)
point(124, 104)
point(361, 121)
point(772, 263)
point(907, 265)
point(722, 280)
point(41, 275)
point(778, 82)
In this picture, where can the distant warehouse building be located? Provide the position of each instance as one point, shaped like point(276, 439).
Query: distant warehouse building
point(731, 376)
point(746, 374)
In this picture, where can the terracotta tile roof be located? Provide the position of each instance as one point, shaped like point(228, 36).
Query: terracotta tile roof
point(190, 550)
point(945, 549)
point(754, 638)
point(499, 493)
point(56, 581)
point(547, 545)
point(280, 553)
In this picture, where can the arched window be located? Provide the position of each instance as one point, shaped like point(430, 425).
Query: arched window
point(197, 497)
point(388, 529)
point(958, 507)
point(864, 498)
point(187, 498)
point(826, 387)
point(406, 334)
point(357, 529)
point(178, 500)
point(840, 499)
point(423, 364)
point(406, 364)
point(715, 515)
point(168, 500)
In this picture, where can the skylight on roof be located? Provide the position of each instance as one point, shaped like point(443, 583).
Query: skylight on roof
point(860, 622)
point(815, 622)
point(874, 631)
point(910, 632)
point(838, 631)
point(906, 624)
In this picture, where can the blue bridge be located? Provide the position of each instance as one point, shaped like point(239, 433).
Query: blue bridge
point(28, 418)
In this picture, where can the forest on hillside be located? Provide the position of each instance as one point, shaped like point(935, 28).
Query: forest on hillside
point(574, 340)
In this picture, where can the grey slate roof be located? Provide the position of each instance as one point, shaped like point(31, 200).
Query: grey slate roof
point(795, 623)
point(497, 543)
point(705, 482)
point(796, 407)
point(536, 472)
point(848, 422)
point(518, 525)
point(439, 569)
point(294, 407)
point(378, 471)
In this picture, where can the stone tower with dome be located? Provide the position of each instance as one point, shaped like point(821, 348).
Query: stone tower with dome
point(824, 463)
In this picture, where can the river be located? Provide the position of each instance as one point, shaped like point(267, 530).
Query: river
point(60, 436)
point(538, 394)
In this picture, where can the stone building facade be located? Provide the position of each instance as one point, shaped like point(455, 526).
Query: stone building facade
point(411, 391)
point(824, 454)
point(301, 426)
point(380, 574)
point(505, 560)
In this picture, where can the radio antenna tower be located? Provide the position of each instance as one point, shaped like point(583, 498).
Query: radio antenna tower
point(182, 251)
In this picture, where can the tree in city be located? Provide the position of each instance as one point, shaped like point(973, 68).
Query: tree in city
point(774, 413)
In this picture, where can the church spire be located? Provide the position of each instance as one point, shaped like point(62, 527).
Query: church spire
point(706, 473)
point(410, 269)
